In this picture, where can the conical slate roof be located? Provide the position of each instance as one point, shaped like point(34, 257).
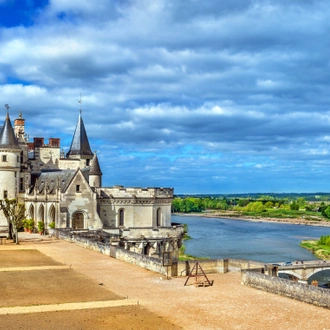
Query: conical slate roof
point(95, 168)
point(80, 144)
point(7, 135)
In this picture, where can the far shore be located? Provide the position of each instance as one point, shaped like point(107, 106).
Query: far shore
point(234, 216)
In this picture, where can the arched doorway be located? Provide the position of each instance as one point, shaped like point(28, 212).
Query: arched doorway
point(78, 220)
point(146, 249)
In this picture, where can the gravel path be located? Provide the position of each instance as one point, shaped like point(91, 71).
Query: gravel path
point(66, 307)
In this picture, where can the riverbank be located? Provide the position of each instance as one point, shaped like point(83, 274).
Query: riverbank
point(320, 251)
point(232, 215)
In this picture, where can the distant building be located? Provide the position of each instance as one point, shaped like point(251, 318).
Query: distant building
point(67, 189)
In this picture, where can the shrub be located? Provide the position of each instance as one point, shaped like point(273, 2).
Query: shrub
point(41, 226)
point(30, 224)
point(324, 240)
point(25, 223)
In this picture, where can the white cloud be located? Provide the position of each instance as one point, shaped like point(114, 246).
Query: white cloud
point(247, 80)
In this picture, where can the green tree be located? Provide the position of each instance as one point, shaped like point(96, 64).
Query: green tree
point(294, 206)
point(301, 202)
point(177, 205)
point(326, 212)
point(269, 205)
point(255, 207)
point(243, 202)
point(14, 213)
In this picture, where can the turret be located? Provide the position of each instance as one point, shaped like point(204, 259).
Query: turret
point(80, 148)
point(19, 125)
point(95, 174)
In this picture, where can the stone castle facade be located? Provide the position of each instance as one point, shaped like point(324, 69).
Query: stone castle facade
point(67, 188)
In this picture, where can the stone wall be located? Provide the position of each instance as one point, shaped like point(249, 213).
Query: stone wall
point(298, 291)
point(84, 242)
point(236, 265)
point(137, 259)
point(210, 266)
point(141, 260)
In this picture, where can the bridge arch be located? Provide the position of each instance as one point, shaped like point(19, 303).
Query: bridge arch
point(305, 272)
point(290, 274)
point(322, 276)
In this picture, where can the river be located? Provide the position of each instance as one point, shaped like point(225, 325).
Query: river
point(261, 241)
point(267, 242)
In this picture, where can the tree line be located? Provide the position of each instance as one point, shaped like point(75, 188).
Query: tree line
point(199, 204)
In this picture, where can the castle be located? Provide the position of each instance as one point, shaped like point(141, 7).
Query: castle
point(67, 189)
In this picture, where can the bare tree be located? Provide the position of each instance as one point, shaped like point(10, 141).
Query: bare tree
point(14, 213)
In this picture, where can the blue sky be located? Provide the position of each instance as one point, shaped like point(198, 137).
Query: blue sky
point(204, 96)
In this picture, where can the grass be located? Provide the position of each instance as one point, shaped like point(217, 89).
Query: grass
point(280, 213)
point(320, 251)
point(184, 257)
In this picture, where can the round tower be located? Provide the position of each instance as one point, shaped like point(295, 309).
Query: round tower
point(9, 164)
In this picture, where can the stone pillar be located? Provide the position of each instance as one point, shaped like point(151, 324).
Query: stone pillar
point(224, 265)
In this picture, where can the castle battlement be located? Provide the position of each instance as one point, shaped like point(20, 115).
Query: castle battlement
point(137, 192)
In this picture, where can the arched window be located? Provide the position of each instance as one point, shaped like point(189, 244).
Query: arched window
point(121, 217)
point(31, 212)
point(159, 217)
point(41, 213)
point(52, 214)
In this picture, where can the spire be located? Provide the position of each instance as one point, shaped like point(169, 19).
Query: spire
point(95, 168)
point(7, 136)
point(80, 145)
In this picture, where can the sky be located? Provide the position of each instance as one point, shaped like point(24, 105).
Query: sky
point(204, 96)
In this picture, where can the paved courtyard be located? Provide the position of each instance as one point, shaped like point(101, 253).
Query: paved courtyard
point(56, 274)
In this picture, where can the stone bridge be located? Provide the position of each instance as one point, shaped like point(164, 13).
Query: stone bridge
point(304, 271)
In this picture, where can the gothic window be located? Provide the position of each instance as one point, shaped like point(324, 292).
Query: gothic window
point(121, 217)
point(31, 212)
point(41, 213)
point(52, 214)
point(4, 158)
